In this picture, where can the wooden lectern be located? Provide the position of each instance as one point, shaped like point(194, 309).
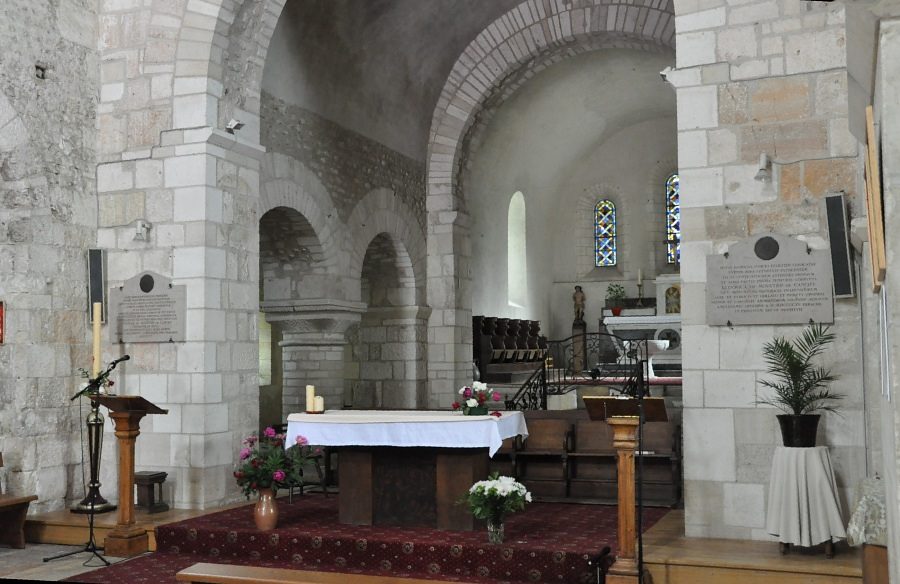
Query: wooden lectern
point(127, 540)
point(622, 414)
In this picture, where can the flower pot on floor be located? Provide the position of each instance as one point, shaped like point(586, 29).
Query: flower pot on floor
point(265, 513)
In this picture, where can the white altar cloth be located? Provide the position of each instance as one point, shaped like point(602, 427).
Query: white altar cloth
point(406, 429)
point(804, 507)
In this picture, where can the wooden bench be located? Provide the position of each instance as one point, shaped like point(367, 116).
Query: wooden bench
point(231, 574)
point(567, 455)
point(12, 519)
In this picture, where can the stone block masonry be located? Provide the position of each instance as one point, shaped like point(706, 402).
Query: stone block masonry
point(49, 74)
point(347, 164)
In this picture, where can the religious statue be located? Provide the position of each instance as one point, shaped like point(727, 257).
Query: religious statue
point(578, 299)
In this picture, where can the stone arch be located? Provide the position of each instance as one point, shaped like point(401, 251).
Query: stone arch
point(288, 183)
point(500, 59)
point(381, 211)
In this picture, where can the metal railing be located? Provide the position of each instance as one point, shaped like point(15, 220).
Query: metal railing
point(585, 359)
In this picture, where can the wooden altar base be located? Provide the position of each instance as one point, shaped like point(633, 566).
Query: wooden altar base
point(672, 558)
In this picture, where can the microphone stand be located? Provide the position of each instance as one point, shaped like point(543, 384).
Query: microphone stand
point(94, 502)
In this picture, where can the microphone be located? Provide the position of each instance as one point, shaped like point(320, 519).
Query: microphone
point(120, 359)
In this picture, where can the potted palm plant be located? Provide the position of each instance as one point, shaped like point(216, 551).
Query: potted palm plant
point(800, 386)
point(615, 298)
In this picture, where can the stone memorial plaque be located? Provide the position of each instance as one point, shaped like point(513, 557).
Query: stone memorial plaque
point(770, 279)
point(147, 309)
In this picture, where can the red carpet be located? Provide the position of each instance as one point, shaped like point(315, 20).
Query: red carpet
point(549, 542)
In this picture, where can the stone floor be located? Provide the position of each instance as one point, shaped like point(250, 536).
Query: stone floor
point(28, 563)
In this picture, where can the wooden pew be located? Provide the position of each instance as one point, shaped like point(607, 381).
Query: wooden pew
point(231, 574)
point(12, 519)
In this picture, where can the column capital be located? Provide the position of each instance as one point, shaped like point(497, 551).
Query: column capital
point(313, 322)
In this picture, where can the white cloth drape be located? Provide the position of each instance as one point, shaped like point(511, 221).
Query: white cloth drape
point(405, 428)
point(804, 507)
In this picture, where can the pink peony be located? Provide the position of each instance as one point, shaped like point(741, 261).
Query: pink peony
point(301, 440)
point(467, 392)
point(270, 432)
point(245, 453)
point(495, 396)
point(278, 476)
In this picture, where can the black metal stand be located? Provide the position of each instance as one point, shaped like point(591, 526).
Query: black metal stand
point(90, 546)
point(94, 502)
point(642, 390)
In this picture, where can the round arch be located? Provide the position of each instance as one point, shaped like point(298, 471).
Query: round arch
point(507, 53)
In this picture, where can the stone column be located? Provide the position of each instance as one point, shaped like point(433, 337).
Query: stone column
point(313, 339)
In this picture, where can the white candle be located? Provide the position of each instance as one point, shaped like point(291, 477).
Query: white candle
point(640, 277)
point(310, 398)
point(320, 403)
point(97, 316)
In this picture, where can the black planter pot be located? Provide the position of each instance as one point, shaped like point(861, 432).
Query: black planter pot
point(799, 431)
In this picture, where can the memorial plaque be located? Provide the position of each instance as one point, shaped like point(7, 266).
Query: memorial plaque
point(770, 279)
point(147, 309)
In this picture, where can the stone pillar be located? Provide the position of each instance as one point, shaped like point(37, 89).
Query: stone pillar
point(313, 339)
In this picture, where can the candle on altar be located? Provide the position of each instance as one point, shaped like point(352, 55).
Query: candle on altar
point(310, 398)
point(640, 277)
point(97, 316)
point(320, 403)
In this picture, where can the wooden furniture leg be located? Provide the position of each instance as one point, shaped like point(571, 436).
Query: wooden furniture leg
point(625, 569)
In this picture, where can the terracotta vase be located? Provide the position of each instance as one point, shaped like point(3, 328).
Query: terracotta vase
point(265, 514)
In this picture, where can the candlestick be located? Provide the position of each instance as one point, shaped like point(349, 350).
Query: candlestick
point(310, 398)
point(97, 315)
point(320, 403)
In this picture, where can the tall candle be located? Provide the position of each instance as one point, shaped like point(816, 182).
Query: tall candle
point(640, 276)
point(310, 398)
point(320, 403)
point(97, 316)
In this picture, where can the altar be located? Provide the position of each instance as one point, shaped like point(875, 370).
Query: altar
point(407, 467)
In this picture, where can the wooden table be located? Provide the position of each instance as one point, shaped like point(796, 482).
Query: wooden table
point(12, 519)
point(407, 468)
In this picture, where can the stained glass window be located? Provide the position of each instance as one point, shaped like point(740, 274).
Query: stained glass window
point(673, 220)
point(605, 233)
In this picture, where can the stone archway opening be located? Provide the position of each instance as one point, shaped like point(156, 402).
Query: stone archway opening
point(389, 342)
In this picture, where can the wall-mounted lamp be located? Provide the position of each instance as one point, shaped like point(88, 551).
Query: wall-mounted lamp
point(764, 173)
point(142, 230)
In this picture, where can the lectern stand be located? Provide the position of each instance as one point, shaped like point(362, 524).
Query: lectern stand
point(625, 416)
point(127, 540)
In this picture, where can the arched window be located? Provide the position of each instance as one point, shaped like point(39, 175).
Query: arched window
point(604, 233)
point(516, 257)
point(673, 220)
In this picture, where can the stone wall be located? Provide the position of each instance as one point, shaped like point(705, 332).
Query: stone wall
point(48, 107)
point(758, 78)
point(348, 164)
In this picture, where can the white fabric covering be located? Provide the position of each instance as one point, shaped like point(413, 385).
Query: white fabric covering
point(406, 428)
point(804, 508)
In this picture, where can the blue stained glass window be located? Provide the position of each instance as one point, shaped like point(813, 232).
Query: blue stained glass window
point(673, 220)
point(604, 233)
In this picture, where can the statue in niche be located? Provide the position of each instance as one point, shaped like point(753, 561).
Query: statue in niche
point(578, 299)
point(673, 300)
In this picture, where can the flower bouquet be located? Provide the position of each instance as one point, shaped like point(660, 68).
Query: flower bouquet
point(474, 399)
point(266, 464)
point(495, 498)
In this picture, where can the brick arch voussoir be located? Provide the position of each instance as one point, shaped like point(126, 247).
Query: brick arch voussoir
point(381, 211)
point(512, 43)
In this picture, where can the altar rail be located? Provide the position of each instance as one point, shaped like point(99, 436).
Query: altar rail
point(585, 359)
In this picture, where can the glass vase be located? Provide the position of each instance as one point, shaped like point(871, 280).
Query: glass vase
point(495, 530)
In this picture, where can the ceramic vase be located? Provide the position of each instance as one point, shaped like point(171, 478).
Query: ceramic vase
point(265, 514)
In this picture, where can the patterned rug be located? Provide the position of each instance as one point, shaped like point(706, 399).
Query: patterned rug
point(549, 542)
